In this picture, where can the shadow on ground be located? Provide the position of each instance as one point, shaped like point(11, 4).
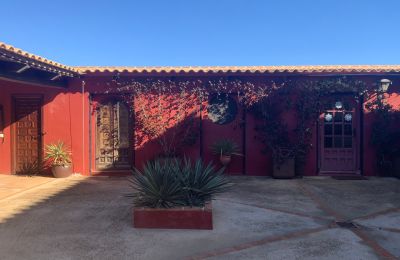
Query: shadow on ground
point(90, 218)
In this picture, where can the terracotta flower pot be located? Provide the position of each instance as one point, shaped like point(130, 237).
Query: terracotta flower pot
point(60, 171)
point(225, 159)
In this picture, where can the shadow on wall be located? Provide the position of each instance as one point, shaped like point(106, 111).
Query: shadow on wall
point(167, 125)
point(40, 115)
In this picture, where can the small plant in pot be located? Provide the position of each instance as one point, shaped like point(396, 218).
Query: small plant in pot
point(59, 157)
point(225, 148)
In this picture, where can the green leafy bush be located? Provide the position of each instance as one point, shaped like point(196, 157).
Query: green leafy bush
point(167, 183)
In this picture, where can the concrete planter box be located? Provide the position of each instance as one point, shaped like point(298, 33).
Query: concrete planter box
point(175, 218)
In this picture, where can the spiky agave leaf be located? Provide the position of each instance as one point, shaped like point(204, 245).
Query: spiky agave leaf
point(157, 186)
point(201, 182)
point(166, 183)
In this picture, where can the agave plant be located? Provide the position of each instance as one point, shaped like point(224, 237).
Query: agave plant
point(57, 154)
point(225, 147)
point(157, 186)
point(201, 182)
point(166, 183)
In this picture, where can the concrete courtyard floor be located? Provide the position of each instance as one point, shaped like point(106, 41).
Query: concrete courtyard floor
point(260, 218)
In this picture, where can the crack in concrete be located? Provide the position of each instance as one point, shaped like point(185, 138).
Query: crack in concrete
point(264, 241)
point(379, 250)
point(339, 218)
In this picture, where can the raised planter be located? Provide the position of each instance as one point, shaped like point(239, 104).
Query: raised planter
point(174, 218)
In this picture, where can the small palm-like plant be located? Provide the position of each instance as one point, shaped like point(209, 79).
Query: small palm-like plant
point(166, 183)
point(57, 154)
point(225, 147)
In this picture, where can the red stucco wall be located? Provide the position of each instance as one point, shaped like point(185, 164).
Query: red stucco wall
point(66, 117)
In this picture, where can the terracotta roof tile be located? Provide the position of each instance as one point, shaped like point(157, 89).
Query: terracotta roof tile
point(35, 60)
point(40, 62)
point(248, 69)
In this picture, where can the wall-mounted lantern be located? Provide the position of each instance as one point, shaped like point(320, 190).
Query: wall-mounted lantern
point(384, 85)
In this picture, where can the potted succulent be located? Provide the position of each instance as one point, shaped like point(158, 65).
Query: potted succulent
point(59, 157)
point(225, 148)
point(174, 193)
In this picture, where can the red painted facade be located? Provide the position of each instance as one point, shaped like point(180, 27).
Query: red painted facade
point(68, 114)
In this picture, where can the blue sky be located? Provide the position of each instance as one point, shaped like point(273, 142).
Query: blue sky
point(205, 32)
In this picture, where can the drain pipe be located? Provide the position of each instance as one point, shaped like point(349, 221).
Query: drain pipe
point(83, 125)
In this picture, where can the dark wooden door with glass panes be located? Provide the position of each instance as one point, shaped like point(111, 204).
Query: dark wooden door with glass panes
point(27, 132)
point(112, 134)
point(338, 137)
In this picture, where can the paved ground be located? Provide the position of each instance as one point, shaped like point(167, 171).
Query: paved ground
point(261, 218)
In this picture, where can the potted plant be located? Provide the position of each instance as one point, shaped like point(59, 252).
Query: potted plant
point(175, 194)
point(59, 158)
point(225, 148)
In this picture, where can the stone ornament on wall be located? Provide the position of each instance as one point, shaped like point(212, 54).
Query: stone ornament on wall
point(222, 109)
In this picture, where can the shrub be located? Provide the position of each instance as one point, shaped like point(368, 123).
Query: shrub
point(166, 183)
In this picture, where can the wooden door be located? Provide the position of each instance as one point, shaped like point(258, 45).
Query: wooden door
point(27, 131)
point(112, 135)
point(339, 126)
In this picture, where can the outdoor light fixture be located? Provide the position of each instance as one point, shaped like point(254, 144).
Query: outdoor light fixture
point(384, 85)
point(328, 117)
point(338, 105)
point(348, 117)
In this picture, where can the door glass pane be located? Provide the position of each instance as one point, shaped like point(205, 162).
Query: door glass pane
point(328, 142)
point(348, 141)
point(338, 116)
point(338, 129)
point(328, 129)
point(348, 129)
point(338, 141)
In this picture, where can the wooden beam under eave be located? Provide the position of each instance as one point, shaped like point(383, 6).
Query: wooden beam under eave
point(13, 76)
point(23, 69)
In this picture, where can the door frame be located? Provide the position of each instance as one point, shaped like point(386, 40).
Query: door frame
point(13, 128)
point(359, 112)
point(95, 100)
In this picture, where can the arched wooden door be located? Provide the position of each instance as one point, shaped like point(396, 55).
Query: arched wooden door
point(339, 137)
point(113, 142)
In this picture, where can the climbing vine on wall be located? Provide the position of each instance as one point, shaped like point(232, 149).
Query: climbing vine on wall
point(385, 135)
point(307, 97)
point(158, 111)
